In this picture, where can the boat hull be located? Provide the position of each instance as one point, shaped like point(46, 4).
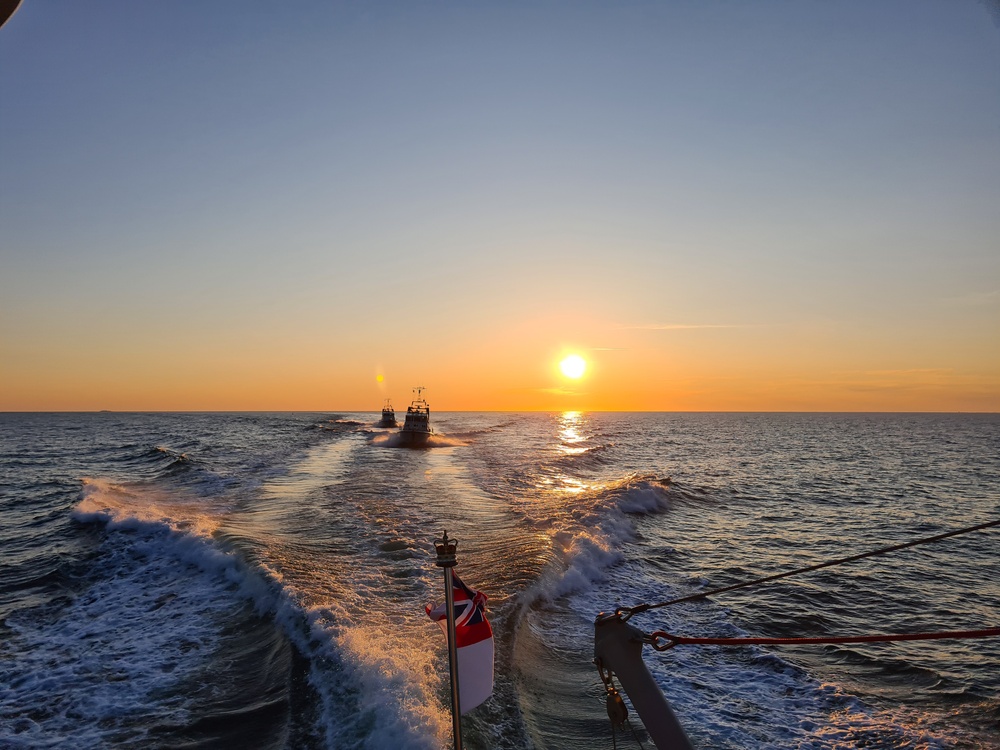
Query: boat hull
point(413, 438)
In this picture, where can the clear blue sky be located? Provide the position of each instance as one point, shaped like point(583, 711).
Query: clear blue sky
point(744, 205)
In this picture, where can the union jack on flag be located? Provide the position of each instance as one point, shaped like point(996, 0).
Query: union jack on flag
point(474, 639)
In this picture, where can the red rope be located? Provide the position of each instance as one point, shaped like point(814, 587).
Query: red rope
point(661, 640)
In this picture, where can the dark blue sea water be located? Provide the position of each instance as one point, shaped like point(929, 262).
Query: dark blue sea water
point(258, 580)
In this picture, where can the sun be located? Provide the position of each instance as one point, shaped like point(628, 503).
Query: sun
point(573, 366)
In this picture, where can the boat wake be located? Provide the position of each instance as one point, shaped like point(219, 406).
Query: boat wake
point(260, 581)
point(789, 707)
point(115, 661)
point(174, 598)
point(400, 440)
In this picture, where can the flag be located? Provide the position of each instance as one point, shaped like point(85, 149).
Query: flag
point(474, 639)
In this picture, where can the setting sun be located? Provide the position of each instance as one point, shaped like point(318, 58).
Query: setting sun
point(573, 366)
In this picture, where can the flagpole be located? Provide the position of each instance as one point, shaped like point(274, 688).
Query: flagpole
point(446, 559)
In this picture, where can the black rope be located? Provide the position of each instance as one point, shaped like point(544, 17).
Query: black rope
point(635, 735)
point(629, 611)
point(661, 640)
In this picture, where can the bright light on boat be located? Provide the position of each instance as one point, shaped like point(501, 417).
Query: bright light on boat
point(573, 366)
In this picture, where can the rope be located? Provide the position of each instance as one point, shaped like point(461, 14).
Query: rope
point(629, 611)
point(662, 641)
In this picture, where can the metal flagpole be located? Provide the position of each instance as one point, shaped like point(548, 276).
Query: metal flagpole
point(446, 559)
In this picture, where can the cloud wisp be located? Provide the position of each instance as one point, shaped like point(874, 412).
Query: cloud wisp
point(685, 326)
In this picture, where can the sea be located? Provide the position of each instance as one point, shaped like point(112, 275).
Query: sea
point(259, 580)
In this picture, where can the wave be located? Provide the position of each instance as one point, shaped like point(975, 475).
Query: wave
point(604, 560)
point(156, 457)
point(178, 462)
point(577, 457)
point(334, 424)
point(157, 461)
point(179, 467)
point(114, 661)
point(488, 430)
point(174, 580)
point(139, 506)
point(593, 537)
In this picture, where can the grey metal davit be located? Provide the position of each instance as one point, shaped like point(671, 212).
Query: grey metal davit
point(618, 651)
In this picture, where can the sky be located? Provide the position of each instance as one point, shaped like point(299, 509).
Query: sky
point(784, 205)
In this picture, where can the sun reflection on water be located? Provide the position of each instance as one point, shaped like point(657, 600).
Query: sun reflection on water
point(571, 424)
point(573, 485)
point(573, 437)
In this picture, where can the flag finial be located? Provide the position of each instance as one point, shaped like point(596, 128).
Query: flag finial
point(446, 551)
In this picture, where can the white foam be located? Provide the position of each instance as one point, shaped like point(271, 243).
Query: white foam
point(726, 698)
point(378, 678)
point(386, 668)
point(398, 440)
point(100, 665)
point(121, 506)
point(592, 542)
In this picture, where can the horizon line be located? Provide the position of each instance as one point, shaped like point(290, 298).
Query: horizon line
point(492, 411)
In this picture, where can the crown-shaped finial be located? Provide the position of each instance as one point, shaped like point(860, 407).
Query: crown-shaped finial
point(445, 551)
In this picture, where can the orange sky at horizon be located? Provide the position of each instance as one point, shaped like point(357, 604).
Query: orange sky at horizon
point(684, 369)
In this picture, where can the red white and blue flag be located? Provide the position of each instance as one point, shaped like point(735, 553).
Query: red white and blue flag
point(474, 639)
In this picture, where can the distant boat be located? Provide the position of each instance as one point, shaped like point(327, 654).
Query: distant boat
point(388, 416)
point(416, 427)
